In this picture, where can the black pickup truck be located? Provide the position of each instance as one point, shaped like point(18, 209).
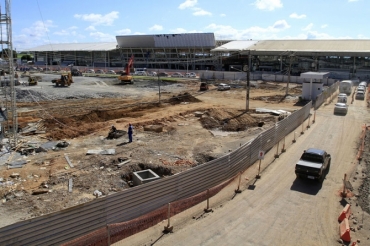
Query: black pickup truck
point(314, 164)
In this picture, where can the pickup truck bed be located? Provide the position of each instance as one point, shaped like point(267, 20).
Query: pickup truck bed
point(314, 164)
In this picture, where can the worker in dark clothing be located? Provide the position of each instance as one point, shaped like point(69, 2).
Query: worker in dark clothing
point(130, 131)
point(113, 129)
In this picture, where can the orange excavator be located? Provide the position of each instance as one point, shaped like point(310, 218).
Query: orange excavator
point(125, 77)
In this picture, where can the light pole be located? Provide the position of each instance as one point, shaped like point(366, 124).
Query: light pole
point(245, 69)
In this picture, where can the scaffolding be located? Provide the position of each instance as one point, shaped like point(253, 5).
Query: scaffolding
point(8, 107)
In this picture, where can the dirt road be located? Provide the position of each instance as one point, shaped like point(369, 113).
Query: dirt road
point(279, 209)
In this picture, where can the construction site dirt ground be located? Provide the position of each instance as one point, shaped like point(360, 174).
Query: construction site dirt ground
point(197, 127)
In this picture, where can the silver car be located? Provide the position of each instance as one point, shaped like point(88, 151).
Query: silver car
point(340, 108)
point(223, 87)
point(360, 95)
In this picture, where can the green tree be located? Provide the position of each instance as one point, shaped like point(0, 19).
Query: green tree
point(26, 58)
point(5, 53)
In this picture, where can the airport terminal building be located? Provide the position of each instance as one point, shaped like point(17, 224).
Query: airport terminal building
point(201, 51)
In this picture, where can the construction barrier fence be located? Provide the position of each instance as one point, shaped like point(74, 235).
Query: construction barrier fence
point(135, 209)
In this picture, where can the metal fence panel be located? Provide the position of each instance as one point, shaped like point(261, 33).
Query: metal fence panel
point(57, 227)
point(255, 147)
point(268, 139)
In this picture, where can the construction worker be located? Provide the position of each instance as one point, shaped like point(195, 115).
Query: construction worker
point(113, 129)
point(130, 132)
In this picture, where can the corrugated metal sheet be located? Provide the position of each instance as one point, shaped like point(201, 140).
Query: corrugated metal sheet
point(191, 40)
point(75, 47)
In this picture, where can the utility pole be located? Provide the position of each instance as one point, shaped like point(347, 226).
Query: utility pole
point(248, 81)
point(5, 19)
point(289, 70)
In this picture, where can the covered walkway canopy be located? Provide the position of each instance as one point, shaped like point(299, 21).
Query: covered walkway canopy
point(336, 47)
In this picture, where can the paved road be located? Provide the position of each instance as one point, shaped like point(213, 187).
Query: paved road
point(283, 210)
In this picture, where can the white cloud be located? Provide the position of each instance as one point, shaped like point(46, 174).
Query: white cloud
point(255, 32)
point(308, 27)
point(318, 35)
point(296, 16)
point(103, 37)
point(201, 12)
point(280, 25)
point(156, 28)
point(362, 37)
point(124, 31)
point(352, 1)
point(268, 4)
point(62, 33)
point(38, 29)
point(222, 15)
point(179, 30)
point(324, 26)
point(90, 28)
point(188, 4)
point(98, 19)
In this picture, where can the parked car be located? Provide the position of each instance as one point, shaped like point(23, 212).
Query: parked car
point(100, 71)
point(177, 75)
point(203, 86)
point(360, 95)
point(340, 108)
point(223, 87)
point(313, 164)
point(152, 74)
point(111, 72)
point(140, 73)
point(342, 98)
point(163, 74)
point(361, 88)
point(190, 75)
point(90, 71)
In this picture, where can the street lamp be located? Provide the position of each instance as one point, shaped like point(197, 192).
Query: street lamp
point(245, 69)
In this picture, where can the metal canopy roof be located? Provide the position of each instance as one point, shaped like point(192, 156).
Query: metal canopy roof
point(234, 46)
point(191, 40)
point(348, 47)
point(75, 47)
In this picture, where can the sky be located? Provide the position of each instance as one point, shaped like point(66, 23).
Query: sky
point(39, 22)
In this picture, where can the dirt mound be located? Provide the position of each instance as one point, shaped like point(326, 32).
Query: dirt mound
point(227, 120)
point(364, 189)
point(270, 99)
point(181, 98)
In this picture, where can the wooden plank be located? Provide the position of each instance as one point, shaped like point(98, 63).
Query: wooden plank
point(69, 162)
point(70, 185)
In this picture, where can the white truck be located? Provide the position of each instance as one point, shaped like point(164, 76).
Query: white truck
point(345, 86)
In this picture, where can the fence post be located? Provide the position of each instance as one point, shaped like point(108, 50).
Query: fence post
point(294, 137)
point(308, 124)
point(344, 194)
point(108, 232)
point(314, 116)
point(207, 210)
point(238, 190)
point(168, 228)
point(277, 150)
point(302, 132)
point(283, 149)
point(258, 176)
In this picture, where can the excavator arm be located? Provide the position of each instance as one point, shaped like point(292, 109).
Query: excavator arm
point(126, 77)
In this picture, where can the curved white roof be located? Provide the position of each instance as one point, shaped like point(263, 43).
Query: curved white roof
point(75, 47)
